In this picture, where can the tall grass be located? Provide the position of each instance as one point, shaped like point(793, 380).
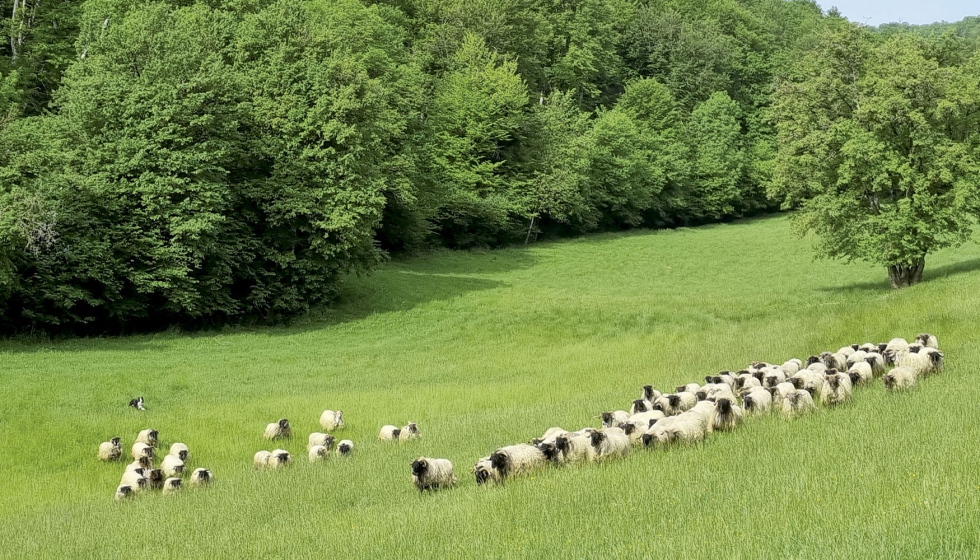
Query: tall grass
point(485, 349)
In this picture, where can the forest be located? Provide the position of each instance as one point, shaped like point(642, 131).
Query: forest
point(212, 161)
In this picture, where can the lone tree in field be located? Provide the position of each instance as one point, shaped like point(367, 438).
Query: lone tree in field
point(878, 146)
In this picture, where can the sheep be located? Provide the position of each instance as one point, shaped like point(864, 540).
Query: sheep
point(792, 366)
point(900, 378)
point(278, 430)
point(860, 373)
point(148, 437)
point(279, 458)
point(746, 380)
point(797, 403)
point(137, 403)
point(756, 401)
point(868, 347)
point(332, 420)
point(893, 348)
point(644, 418)
point(180, 450)
point(689, 388)
point(574, 447)
point(715, 391)
point(776, 376)
point(155, 478)
point(432, 474)
point(687, 429)
point(411, 431)
point(261, 459)
point(726, 416)
point(836, 390)
point(134, 479)
point(484, 471)
point(935, 358)
point(172, 465)
point(928, 340)
point(317, 453)
point(846, 351)
point(172, 485)
point(610, 442)
point(658, 433)
point(635, 431)
point(726, 377)
point(141, 449)
point(856, 357)
point(614, 418)
point(550, 435)
point(640, 405)
point(144, 463)
point(818, 367)
point(650, 394)
point(514, 460)
point(389, 433)
point(345, 447)
point(809, 379)
point(321, 439)
point(201, 477)
point(672, 405)
point(833, 361)
point(921, 364)
point(110, 450)
point(123, 491)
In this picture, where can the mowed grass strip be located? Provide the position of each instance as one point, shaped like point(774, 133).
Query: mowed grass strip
point(485, 349)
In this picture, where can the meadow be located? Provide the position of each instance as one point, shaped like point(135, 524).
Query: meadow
point(490, 348)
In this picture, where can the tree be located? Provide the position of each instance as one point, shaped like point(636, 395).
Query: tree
point(878, 147)
point(718, 159)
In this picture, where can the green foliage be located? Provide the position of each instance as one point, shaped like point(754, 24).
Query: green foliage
point(878, 144)
point(718, 160)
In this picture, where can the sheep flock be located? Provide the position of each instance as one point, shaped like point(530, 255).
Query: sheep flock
point(688, 415)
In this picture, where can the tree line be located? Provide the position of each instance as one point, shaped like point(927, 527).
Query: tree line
point(212, 160)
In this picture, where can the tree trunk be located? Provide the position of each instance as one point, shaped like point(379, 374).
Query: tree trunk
point(905, 275)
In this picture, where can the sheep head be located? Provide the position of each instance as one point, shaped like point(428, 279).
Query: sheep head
point(597, 438)
point(116, 442)
point(607, 418)
point(420, 467)
point(500, 462)
point(648, 392)
point(674, 400)
point(283, 423)
point(724, 406)
point(640, 405)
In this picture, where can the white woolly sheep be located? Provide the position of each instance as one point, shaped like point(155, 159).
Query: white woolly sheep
point(926, 339)
point(280, 458)
point(319, 438)
point(726, 377)
point(689, 388)
point(389, 433)
point(921, 364)
point(756, 401)
point(635, 431)
point(514, 460)
point(180, 450)
point(278, 430)
point(837, 389)
point(715, 391)
point(797, 403)
point(818, 367)
point(201, 477)
point(644, 418)
point(318, 453)
point(792, 366)
point(686, 429)
point(856, 357)
point(935, 358)
point(172, 465)
point(575, 447)
point(144, 463)
point(261, 459)
point(877, 363)
point(432, 474)
point(861, 373)
point(650, 394)
point(900, 378)
point(411, 431)
point(747, 380)
point(658, 432)
point(834, 361)
point(345, 447)
point(672, 405)
point(610, 442)
point(614, 418)
point(726, 416)
point(484, 472)
point(141, 449)
point(134, 479)
point(124, 491)
point(550, 435)
point(332, 420)
point(809, 379)
point(640, 405)
point(894, 348)
point(148, 437)
point(110, 450)
point(776, 376)
point(846, 351)
point(172, 485)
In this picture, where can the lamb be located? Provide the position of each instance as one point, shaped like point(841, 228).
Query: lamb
point(172, 465)
point(389, 433)
point(432, 474)
point(172, 485)
point(141, 449)
point(278, 430)
point(180, 450)
point(726, 415)
point(610, 442)
point(797, 403)
point(332, 420)
point(484, 471)
point(148, 437)
point(345, 447)
point(792, 366)
point(318, 453)
point(261, 459)
point(614, 418)
point(836, 390)
point(650, 394)
point(134, 479)
point(411, 431)
point(756, 401)
point(515, 460)
point(201, 477)
point(124, 491)
point(928, 340)
point(575, 447)
point(900, 378)
point(155, 478)
point(860, 373)
point(110, 450)
point(321, 439)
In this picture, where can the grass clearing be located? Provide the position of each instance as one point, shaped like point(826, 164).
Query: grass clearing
point(485, 349)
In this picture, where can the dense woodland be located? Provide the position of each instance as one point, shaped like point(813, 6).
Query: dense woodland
point(197, 162)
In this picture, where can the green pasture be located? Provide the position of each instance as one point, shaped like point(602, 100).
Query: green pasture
point(485, 349)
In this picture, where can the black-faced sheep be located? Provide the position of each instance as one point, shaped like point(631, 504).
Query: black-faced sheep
point(846, 351)
point(935, 358)
point(317, 453)
point(894, 348)
point(689, 388)
point(180, 450)
point(201, 477)
point(575, 447)
point(345, 447)
point(278, 430)
point(514, 460)
point(432, 474)
point(389, 433)
point(659, 433)
point(672, 405)
point(640, 405)
point(279, 458)
point(172, 485)
point(837, 389)
point(861, 373)
point(921, 364)
point(614, 418)
point(148, 437)
point(833, 361)
point(797, 403)
point(332, 420)
point(411, 431)
point(144, 463)
point(134, 479)
point(756, 401)
point(610, 442)
point(776, 376)
point(172, 465)
point(261, 459)
point(484, 472)
point(550, 435)
point(649, 393)
point(726, 416)
point(110, 450)
point(926, 339)
point(900, 378)
point(877, 363)
point(319, 438)
point(124, 491)
point(792, 366)
point(141, 449)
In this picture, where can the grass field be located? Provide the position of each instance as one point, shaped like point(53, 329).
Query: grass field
point(485, 349)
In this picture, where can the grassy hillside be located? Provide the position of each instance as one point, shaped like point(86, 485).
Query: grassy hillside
point(488, 349)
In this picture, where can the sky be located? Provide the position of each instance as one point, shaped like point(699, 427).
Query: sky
point(916, 12)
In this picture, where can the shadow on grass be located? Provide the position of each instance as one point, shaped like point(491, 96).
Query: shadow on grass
point(882, 285)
